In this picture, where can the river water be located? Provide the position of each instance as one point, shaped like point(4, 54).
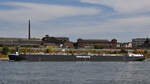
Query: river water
point(74, 72)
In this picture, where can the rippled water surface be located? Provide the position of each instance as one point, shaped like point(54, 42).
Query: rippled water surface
point(74, 72)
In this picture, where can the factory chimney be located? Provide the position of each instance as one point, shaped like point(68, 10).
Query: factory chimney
point(29, 31)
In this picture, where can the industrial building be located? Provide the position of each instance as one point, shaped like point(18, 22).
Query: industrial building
point(141, 43)
point(84, 43)
point(61, 42)
point(57, 42)
point(19, 41)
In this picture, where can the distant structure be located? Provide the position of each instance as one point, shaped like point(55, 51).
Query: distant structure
point(127, 45)
point(85, 43)
point(57, 42)
point(141, 43)
point(146, 43)
point(19, 41)
point(29, 30)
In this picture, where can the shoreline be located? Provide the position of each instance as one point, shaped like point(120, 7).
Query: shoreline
point(4, 59)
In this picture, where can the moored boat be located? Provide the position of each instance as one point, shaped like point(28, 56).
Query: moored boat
point(103, 57)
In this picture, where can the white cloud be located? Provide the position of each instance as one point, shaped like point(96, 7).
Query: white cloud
point(132, 24)
point(79, 26)
point(42, 12)
point(123, 6)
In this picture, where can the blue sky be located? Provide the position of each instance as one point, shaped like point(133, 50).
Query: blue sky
point(93, 19)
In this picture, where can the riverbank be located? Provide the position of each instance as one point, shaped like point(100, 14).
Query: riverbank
point(4, 57)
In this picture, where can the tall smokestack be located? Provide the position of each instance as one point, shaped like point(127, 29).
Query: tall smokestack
point(29, 31)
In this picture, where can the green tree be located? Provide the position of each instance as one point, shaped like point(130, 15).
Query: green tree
point(91, 47)
point(1, 45)
point(49, 49)
point(123, 50)
point(5, 50)
point(114, 52)
point(145, 51)
point(99, 46)
point(71, 52)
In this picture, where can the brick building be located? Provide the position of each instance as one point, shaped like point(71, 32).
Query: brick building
point(57, 41)
point(84, 43)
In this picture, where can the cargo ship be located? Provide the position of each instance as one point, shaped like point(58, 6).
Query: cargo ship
point(103, 57)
